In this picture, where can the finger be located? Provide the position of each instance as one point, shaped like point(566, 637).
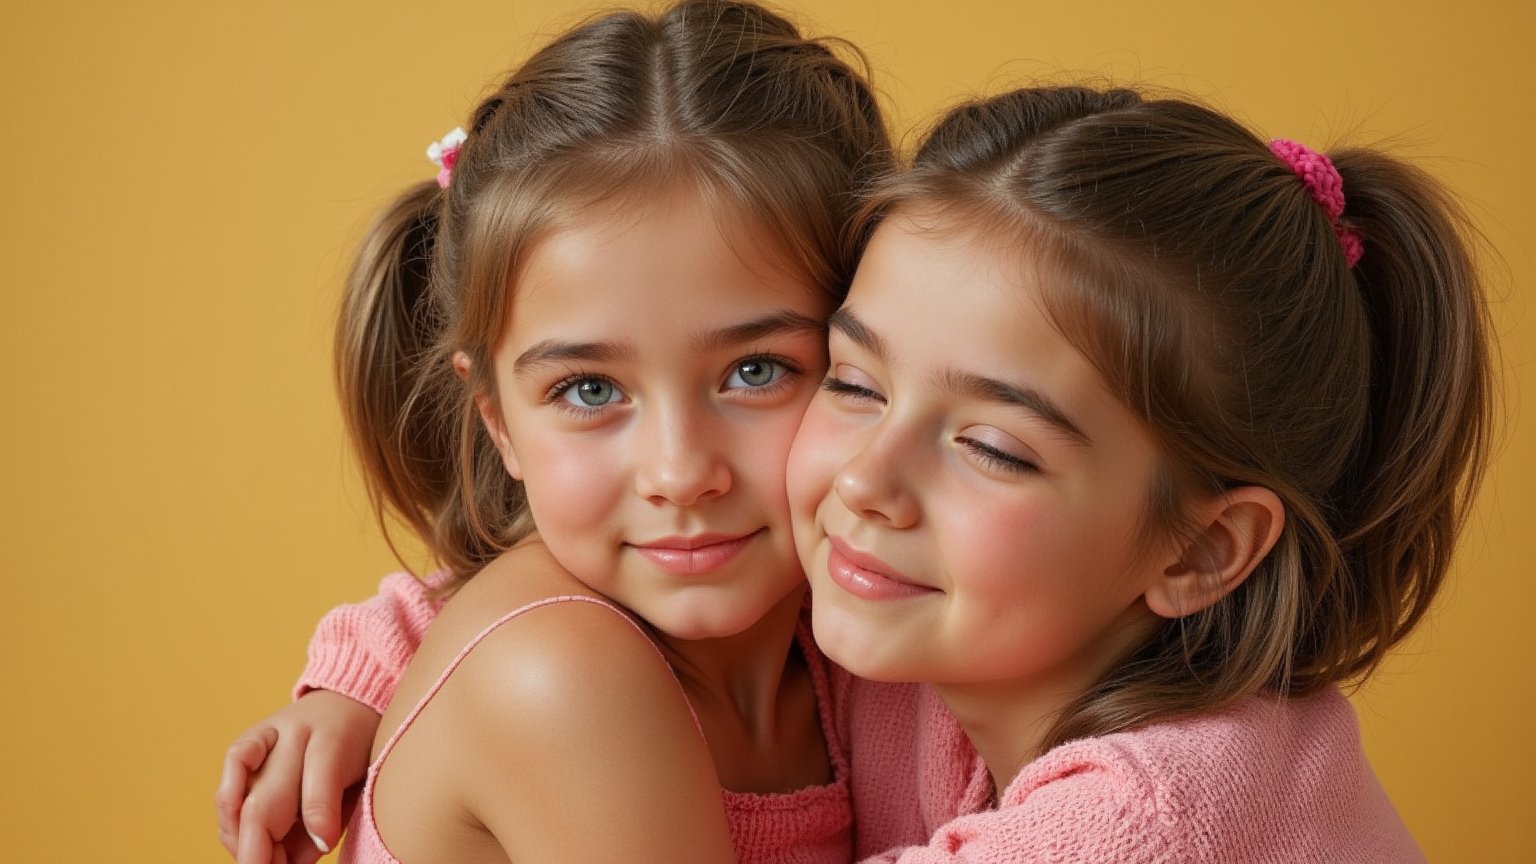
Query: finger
point(230, 841)
point(243, 758)
point(254, 844)
point(330, 767)
point(271, 808)
point(298, 848)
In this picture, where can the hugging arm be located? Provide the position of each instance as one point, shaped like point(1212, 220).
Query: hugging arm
point(285, 780)
point(1083, 814)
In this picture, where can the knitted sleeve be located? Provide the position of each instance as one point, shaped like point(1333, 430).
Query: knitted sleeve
point(360, 649)
point(1081, 814)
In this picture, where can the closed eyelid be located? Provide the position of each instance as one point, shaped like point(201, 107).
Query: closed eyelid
point(847, 323)
point(992, 452)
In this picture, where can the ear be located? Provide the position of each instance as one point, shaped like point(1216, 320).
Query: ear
point(1236, 529)
point(490, 417)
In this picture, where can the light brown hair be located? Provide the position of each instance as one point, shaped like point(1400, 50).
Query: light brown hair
point(726, 97)
point(1210, 291)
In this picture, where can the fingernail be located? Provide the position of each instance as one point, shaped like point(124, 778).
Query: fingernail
point(319, 844)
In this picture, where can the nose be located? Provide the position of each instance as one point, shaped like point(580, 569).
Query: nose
point(682, 460)
point(875, 483)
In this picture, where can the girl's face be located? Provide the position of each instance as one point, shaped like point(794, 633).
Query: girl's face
point(968, 496)
point(650, 380)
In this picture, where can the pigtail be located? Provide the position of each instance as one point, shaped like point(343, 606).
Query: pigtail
point(1409, 486)
point(384, 335)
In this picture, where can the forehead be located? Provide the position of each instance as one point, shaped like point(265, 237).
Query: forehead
point(966, 278)
point(677, 221)
point(943, 299)
point(673, 262)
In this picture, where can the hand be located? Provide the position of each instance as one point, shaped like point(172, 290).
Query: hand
point(282, 796)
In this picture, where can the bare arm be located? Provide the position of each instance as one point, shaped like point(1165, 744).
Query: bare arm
point(562, 736)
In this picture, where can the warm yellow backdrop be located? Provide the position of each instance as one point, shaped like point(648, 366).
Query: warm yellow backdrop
point(183, 182)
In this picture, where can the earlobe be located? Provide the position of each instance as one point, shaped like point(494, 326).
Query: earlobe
point(461, 365)
point(490, 418)
point(1237, 528)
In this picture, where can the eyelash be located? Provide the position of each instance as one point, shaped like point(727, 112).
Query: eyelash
point(555, 395)
point(995, 458)
point(790, 368)
point(838, 386)
point(989, 455)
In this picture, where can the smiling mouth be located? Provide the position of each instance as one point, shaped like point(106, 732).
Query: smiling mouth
point(865, 576)
point(696, 555)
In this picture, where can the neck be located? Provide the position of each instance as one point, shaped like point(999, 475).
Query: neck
point(1006, 725)
point(754, 699)
point(1008, 720)
point(746, 670)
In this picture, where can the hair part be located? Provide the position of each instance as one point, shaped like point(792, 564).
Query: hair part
point(727, 98)
point(1207, 287)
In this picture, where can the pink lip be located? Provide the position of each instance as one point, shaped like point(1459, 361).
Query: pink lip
point(864, 575)
point(691, 556)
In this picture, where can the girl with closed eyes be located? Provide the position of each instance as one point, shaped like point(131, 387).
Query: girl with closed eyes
point(1141, 437)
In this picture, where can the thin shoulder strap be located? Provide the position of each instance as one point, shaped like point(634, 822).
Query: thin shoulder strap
point(493, 627)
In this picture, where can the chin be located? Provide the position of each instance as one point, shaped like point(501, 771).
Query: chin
point(857, 645)
point(710, 619)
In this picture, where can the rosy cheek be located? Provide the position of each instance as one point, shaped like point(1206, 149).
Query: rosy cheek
point(809, 466)
point(1030, 532)
point(568, 482)
point(764, 456)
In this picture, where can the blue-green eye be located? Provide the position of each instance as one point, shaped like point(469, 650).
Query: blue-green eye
point(589, 392)
point(755, 372)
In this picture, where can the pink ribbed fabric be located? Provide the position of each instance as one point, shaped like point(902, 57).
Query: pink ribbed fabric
point(1265, 781)
point(1269, 780)
point(360, 650)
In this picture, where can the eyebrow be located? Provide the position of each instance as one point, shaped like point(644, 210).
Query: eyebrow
point(773, 324)
point(966, 383)
point(555, 351)
point(848, 324)
point(1033, 401)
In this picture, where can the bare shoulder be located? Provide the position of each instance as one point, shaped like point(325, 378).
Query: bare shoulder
point(569, 671)
point(518, 578)
point(549, 705)
point(570, 696)
point(562, 664)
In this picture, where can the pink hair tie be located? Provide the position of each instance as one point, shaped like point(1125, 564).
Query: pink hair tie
point(445, 154)
point(1326, 188)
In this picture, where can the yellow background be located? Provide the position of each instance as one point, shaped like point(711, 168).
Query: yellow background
point(183, 184)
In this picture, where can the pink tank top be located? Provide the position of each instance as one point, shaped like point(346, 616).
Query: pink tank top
point(807, 826)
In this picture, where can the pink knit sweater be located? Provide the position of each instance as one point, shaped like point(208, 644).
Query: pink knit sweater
point(1269, 780)
point(361, 649)
point(1265, 781)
